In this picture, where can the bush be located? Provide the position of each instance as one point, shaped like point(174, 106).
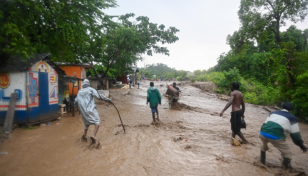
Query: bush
point(250, 97)
point(254, 92)
point(179, 78)
point(300, 95)
point(219, 90)
point(233, 75)
point(215, 77)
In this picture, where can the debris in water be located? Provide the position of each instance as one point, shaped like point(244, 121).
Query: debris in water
point(4, 153)
point(156, 123)
point(222, 158)
point(187, 147)
point(235, 142)
point(177, 139)
point(125, 87)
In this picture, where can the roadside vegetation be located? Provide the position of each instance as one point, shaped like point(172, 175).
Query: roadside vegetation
point(162, 71)
point(270, 65)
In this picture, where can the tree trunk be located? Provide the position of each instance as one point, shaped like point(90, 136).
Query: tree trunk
point(277, 33)
point(96, 73)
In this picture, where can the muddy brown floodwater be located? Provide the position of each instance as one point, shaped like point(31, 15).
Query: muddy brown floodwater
point(191, 141)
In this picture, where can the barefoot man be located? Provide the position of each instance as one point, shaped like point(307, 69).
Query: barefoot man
point(236, 101)
point(88, 109)
point(154, 98)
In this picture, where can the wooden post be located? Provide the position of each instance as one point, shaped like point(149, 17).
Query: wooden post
point(9, 118)
point(76, 96)
point(73, 101)
point(107, 82)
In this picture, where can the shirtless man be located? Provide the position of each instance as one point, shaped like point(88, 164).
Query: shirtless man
point(236, 101)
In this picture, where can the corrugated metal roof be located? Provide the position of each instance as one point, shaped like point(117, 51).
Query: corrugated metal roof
point(85, 65)
point(70, 79)
point(23, 64)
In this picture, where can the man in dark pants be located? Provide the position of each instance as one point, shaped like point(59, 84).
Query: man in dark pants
point(154, 98)
point(274, 130)
point(236, 100)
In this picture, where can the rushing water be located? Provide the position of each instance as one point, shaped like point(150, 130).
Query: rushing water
point(191, 141)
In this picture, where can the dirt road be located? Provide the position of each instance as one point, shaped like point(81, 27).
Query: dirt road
point(191, 141)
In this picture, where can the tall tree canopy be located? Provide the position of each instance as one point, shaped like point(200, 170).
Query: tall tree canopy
point(79, 31)
point(125, 41)
point(259, 15)
point(60, 27)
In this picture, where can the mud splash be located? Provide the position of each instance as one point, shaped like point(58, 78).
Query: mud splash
point(190, 141)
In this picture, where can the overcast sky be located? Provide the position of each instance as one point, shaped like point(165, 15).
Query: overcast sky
point(203, 24)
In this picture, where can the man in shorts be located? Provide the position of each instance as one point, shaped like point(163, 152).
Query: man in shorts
point(236, 100)
point(154, 98)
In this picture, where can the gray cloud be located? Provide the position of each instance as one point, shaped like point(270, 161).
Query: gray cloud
point(203, 24)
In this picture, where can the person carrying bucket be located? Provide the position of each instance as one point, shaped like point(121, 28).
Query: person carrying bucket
point(236, 100)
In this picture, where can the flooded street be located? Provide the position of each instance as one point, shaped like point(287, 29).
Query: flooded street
point(190, 141)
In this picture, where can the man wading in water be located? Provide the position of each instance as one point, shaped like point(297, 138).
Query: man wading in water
point(274, 130)
point(88, 109)
point(174, 85)
point(236, 101)
point(154, 98)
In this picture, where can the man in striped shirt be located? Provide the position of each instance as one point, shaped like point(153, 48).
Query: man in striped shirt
point(275, 129)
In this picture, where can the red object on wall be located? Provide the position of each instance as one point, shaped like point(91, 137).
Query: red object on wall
point(122, 78)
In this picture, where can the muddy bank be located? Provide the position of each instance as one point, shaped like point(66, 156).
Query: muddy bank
point(190, 141)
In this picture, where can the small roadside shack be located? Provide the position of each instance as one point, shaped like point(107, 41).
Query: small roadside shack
point(35, 81)
point(77, 71)
point(96, 84)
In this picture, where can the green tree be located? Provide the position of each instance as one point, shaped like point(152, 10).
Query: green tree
point(59, 27)
point(126, 41)
point(181, 73)
point(197, 72)
point(259, 15)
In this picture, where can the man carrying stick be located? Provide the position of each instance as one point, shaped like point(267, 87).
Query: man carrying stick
point(236, 100)
point(88, 109)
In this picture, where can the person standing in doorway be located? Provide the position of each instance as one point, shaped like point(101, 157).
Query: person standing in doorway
point(88, 109)
point(154, 98)
point(236, 100)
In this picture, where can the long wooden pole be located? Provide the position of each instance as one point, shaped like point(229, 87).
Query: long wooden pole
point(73, 101)
point(9, 117)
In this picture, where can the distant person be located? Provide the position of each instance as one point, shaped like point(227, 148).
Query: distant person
point(174, 85)
point(130, 83)
point(88, 109)
point(128, 80)
point(274, 130)
point(236, 100)
point(138, 81)
point(154, 98)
